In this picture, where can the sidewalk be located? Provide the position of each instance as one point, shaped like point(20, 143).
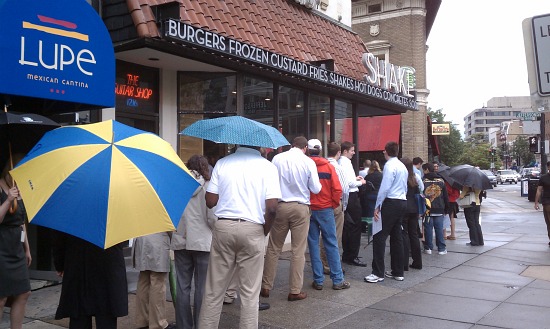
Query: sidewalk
point(504, 284)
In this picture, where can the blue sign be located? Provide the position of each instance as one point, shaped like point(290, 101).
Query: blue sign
point(58, 50)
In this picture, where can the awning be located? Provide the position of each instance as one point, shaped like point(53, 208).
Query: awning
point(373, 132)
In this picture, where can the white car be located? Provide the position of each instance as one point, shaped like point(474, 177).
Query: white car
point(507, 175)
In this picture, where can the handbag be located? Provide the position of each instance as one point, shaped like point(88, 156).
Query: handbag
point(467, 201)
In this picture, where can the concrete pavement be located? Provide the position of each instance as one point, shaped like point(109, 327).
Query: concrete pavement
point(504, 284)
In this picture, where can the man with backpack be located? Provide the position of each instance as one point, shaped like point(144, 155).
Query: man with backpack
point(436, 192)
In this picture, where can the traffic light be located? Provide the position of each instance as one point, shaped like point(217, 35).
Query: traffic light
point(534, 144)
point(493, 152)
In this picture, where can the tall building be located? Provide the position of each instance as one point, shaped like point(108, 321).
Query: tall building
point(498, 110)
point(396, 31)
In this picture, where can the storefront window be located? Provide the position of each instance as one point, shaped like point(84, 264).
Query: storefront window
point(291, 112)
point(258, 100)
point(319, 119)
point(201, 96)
point(343, 121)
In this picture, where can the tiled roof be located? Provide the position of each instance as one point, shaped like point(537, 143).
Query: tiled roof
point(281, 26)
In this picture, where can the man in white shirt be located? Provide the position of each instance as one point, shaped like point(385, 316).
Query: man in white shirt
point(245, 189)
point(391, 205)
point(351, 236)
point(297, 177)
point(365, 171)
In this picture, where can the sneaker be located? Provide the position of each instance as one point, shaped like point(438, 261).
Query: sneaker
point(373, 278)
point(444, 252)
point(427, 251)
point(391, 276)
point(341, 286)
point(316, 286)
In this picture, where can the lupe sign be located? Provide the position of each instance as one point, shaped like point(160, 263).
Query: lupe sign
point(57, 50)
point(393, 91)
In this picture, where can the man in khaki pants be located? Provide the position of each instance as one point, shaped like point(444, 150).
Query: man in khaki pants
point(245, 190)
point(297, 176)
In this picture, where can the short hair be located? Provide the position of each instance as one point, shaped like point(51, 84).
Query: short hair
point(429, 167)
point(392, 149)
point(332, 149)
point(314, 151)
point(299, 142)
point(417, 161)
point(346, 146)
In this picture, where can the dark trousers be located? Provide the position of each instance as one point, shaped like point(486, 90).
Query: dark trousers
point(546, 212)
point(411, 241)
point(472, 220)
point(351, 235)
point(101, 322)
point(393, 211)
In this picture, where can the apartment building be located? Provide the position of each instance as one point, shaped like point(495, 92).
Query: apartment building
point(497, 111)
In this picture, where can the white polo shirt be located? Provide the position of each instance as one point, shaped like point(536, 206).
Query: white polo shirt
point(297, 176)
point(243, 181)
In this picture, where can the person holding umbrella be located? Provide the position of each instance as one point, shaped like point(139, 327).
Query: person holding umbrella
point(471, 213)
point(473, 181)
point(15, 256)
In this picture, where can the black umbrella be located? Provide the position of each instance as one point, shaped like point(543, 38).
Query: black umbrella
point(19, 132)
point(470, 176)
point(444, 172)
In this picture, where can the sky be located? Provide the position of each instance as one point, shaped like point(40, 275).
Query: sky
point(476, 52)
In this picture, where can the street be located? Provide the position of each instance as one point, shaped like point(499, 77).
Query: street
point(504, 284)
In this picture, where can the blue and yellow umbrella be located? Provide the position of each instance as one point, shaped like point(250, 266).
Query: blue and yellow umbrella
point(104, 182)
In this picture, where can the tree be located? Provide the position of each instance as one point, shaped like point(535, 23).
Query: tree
point(476, 151)
point(520, 149)
point(450, 146)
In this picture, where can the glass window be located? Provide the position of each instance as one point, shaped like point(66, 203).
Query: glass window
point(204, 95)
point(258, 100)
point(207, 92)
point(291, 112)
point(343, 118)
point(319, 119)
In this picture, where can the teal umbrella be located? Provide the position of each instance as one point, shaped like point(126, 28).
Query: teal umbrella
point(236, 130)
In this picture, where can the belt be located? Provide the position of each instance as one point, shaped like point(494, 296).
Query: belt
point(233, 219)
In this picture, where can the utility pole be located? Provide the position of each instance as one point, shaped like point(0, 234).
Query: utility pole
point(543, 157)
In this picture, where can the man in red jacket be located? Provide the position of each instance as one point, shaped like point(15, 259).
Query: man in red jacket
point(322, 221)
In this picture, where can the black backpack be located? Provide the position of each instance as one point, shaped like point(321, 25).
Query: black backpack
point(433, 190)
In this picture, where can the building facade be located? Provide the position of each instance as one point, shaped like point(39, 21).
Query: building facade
point(397, 31)
point(498, 110)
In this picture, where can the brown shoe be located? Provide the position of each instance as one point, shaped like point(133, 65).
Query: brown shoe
point(295, 297)
point(264, 292)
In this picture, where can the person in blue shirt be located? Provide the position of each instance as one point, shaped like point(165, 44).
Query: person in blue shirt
point(391, 206)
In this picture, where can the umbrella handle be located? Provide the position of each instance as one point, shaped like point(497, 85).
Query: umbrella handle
point(13, 206)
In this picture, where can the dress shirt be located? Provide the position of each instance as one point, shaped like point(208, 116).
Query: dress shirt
point(419, 182)
point(394, 182)
point(353, 183)
point(297, 176)
point(418, 172)
point(343, 181)
point(363, 173)
point(243, 181)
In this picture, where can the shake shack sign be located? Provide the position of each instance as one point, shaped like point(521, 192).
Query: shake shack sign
point(382, 80)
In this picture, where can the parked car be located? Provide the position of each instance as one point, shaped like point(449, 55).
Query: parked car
point(491, 176)
point(506, 175)
point(530, 172)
